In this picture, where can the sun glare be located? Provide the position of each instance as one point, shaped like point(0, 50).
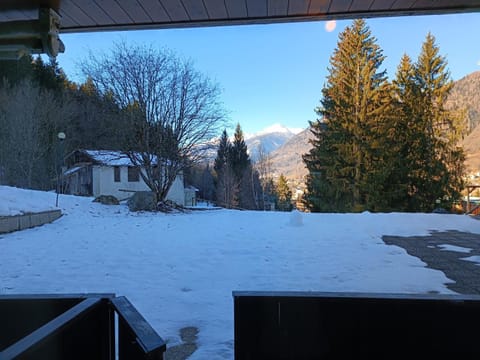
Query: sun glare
point(330, 25)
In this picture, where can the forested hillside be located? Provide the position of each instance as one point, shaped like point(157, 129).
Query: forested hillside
point(287, 159)
point(466, 95)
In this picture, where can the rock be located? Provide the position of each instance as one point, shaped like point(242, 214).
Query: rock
point(142, 201)
point(107, 200)
point(440, 211)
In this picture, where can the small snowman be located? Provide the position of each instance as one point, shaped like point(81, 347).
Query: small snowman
point(296, 218)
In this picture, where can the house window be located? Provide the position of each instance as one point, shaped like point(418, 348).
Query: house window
point(116, 173)
point(133, 174)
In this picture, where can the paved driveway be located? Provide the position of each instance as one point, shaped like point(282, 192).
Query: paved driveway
point(446, 251)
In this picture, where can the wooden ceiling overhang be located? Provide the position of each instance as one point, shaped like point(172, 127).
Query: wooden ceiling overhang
point(98, 15)
point(34, 25)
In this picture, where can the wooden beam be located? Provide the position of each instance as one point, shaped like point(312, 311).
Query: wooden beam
point(29, 4)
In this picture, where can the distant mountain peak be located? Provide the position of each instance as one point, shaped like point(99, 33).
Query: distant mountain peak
point(275, 129)
point(269, 139)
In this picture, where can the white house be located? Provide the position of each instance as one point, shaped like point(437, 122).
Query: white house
point(104, 172)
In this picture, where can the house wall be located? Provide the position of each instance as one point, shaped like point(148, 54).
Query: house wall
point(79, 182)
point(190, 197)
point(104, 184)
point(177, 191)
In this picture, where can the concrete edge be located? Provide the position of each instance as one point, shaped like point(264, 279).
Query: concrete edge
point(26, 221)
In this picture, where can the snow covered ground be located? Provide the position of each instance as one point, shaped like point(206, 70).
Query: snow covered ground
point(180, 269)
point(16, 202)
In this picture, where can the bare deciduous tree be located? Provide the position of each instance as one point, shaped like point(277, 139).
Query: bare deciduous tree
point(30, 121)
point(173, 107)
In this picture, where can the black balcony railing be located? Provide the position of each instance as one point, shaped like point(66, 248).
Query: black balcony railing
point(297, 325)
point(74, 327)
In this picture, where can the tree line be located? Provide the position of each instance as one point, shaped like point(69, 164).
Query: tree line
point(384, 145)
point(37, 101)
point(241, 184)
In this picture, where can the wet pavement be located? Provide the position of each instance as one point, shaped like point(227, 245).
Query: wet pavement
point(446, 251)
point(186, 348)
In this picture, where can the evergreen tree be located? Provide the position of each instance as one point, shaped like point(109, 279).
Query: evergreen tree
point(49, 75)
point(438, 173)
point(222, 153)
point(401, 139)
point(346, 150)
point(225, 186)
point(237, 184)
point(422, 161)
point(207, 186)
point(238, 154)
point(284, 194)
point(243, 173)
point(13, 71)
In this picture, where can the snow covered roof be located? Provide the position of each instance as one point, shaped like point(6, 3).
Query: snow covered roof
point(191, 188)
point(109, 157)
point(114, 158)
point(72, 170)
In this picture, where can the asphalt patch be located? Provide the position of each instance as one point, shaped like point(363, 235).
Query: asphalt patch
point(429, 249)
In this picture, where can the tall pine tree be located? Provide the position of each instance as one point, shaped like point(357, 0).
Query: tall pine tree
point(237, 182)
point(402, 133)
point(238, 155)
point(242, 171)
point(437, 169)
point(346, 144)
point(284, 194)
point(225, 184)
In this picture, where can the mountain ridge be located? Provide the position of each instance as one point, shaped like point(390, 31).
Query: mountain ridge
point(269, 139)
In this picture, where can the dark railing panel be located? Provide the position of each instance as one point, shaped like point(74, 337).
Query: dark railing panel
point(82, 326)
point(342, 325)
point(81, 332)
point(21, 315)
point(137, 339)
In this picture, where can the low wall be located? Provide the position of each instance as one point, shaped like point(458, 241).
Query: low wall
point(21, 222)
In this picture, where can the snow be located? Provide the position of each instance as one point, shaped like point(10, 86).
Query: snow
point(115, 158)
point(110, 158)
point(475, 259)
point(273, 129)
point(16, 202)
point(72, 170)
point(180, 269)
point(454, 248)
point(296, 218)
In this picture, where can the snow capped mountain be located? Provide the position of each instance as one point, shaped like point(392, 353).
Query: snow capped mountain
point(270, 139)
point(274, 129)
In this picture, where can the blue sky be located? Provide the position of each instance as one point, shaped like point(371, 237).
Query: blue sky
point(274, 73)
